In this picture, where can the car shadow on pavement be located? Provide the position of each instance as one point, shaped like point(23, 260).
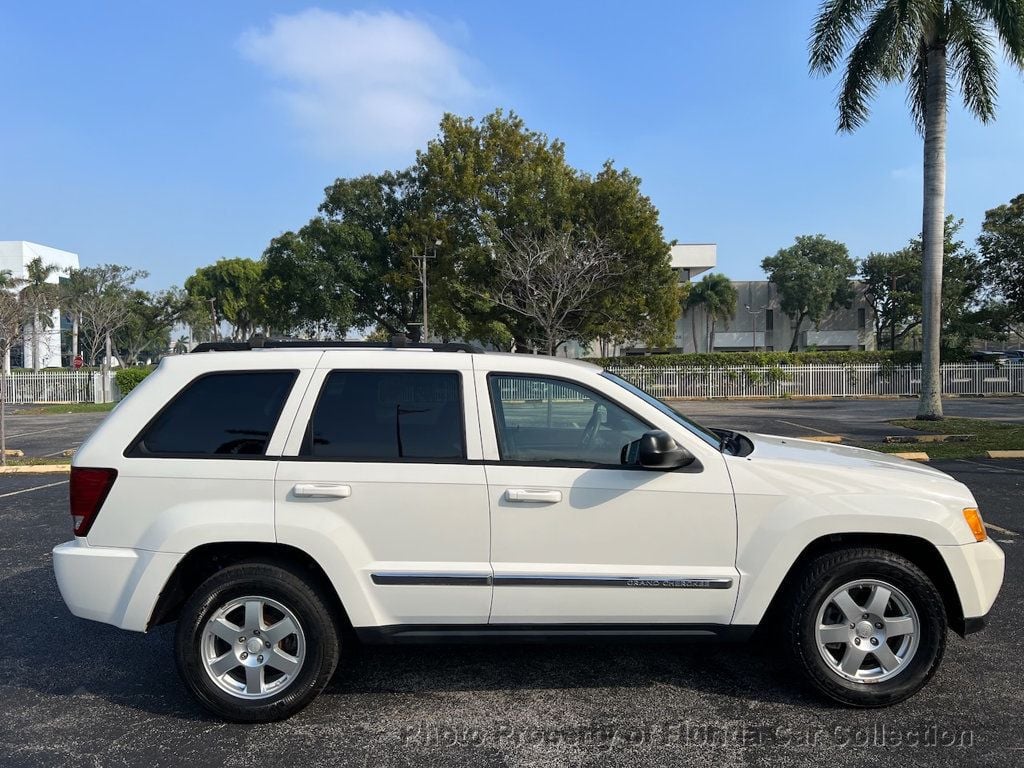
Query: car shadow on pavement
point(137, 671)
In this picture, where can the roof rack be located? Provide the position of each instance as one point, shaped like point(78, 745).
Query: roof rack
point(398, 341)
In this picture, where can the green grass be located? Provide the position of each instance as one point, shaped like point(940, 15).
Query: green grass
point(32, 461)
point(69, 408)
point(988, 436)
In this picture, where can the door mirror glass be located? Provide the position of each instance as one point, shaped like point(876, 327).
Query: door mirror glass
point(657, 449)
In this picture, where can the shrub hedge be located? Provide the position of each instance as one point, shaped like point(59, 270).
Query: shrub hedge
point(128, 378)
point(732, 359)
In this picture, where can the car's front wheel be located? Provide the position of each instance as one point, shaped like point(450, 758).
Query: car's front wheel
point(255, 643)
point(866, 626)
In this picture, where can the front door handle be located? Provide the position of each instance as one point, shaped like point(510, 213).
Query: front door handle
point(525, 495)
point(322, 491)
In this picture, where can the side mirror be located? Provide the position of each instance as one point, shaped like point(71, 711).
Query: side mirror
point(658, 450)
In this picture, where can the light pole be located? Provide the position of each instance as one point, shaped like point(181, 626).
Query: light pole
point(423, 283)
point(753, 323)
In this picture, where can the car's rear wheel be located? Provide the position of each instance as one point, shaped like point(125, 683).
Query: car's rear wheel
point(866, 626)
point(255, 642)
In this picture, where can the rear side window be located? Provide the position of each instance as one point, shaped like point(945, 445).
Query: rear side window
point(387, 416)
point(220, 414)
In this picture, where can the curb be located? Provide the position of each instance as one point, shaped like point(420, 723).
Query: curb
point(1005, 454)
point(912, 455)
point(824, 438)
point(42, 469)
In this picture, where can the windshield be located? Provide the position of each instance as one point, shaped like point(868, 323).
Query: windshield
point(703, 433)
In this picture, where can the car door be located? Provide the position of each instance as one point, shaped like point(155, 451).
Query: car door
point(382, 483)
point(576, 536)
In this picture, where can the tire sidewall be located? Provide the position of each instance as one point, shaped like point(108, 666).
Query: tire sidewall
point(931, 631)
point(263, 581)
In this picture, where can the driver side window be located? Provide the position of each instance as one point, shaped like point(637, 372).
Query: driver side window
point(542, 420)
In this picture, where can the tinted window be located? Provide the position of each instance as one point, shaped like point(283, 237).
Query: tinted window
point(549, 420)
point(387, 415)
point(222, 414)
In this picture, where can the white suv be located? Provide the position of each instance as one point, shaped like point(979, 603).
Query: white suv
point(274, 501)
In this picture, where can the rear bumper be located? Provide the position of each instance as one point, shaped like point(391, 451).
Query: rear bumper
point(977, 571)
point(114, 585)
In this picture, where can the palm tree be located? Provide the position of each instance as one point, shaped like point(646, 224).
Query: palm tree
point(922, 43)
point(716, 296)
point(40, 297)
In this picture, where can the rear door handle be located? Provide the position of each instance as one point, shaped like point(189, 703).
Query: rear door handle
point(322, 491)
point(525, 495)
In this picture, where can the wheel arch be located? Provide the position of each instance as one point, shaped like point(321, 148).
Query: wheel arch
point(205, 560)
point(917, 550)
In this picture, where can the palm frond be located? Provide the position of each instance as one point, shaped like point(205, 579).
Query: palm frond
point(917, 87)
point(1007, 16)
point(971, 51)
point(835, 24)
point(883, 53)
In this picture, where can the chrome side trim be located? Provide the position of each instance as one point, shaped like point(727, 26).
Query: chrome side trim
point(483, 580)
point(612, 581)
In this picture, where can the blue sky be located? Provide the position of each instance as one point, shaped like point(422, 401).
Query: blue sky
point(168, 135)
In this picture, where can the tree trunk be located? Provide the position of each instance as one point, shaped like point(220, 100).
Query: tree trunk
point(35, 341)
point(3, 417)
point(74, 336)
point(933, 232)
point(795, 343)
point(693, 327)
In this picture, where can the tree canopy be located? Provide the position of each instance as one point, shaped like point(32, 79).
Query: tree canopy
point(813, 278)
point(1002, 251)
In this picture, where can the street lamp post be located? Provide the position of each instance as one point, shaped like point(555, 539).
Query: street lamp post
point(423, 283)
point(753, 322)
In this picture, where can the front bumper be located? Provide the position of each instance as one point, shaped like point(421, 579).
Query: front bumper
point(114, 585)
point(977, 571)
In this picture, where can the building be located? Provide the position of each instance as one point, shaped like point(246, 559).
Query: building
point(15, 256)
point(760, 324)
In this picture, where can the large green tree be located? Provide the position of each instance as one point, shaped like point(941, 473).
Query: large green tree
point(892, 283)
point(237, 291)
point(1002, 249)
point(812, 277)
point(476, 186)
point(924, 43)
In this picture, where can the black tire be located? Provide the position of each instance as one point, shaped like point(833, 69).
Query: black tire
point(827, 573)
point(277, 583)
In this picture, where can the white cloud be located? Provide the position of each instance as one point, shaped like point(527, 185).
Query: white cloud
point(361, 84)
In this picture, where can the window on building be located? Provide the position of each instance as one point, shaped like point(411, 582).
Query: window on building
point(769, 320)
point(554, 421)
point(218, 415)
point(862, 317)
point(389, 416)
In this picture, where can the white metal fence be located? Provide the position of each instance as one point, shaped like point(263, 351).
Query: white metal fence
point(661, 381)
point(58, 387)
point(820, 380)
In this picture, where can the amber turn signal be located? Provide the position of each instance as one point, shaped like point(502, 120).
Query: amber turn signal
point(973, 518)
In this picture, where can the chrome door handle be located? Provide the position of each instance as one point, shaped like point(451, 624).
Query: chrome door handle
point(322, 491)
point(524, 495)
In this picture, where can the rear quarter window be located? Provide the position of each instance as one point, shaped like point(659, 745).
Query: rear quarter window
point(226, 414)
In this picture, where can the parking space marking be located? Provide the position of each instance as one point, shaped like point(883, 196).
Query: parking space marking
point(36, 488)
point(37, 432)
point(1004, 531)
point(991, 468)
point(803, 426)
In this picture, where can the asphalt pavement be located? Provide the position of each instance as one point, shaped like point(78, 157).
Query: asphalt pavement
point(78, 693)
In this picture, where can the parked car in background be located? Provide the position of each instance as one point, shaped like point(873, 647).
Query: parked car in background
point(274, 501)
point(996, 358)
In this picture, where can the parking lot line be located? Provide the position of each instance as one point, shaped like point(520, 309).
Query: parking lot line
point(36, 488)
point(1004, 531)
point(37, 432)
point(992, 468)
point(803, 426)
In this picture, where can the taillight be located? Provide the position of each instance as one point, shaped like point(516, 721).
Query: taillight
point(89, 488)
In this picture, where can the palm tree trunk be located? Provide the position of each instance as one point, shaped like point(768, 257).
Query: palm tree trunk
point(933, 233)
point(693, 327)
point(35, 341)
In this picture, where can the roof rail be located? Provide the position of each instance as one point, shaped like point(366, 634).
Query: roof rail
point(397, 342)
